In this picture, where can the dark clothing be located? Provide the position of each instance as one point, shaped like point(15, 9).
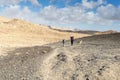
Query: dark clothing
point(72, 40)
point(63, 41)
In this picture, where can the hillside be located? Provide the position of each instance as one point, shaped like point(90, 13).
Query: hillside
point(18, 32)
point(90, 32)
point(106, 32)
point(3, 19)
point(95, 58)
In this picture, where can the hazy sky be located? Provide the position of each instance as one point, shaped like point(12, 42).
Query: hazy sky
point(81, 14)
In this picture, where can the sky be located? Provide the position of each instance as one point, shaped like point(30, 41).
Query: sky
point(99, 15)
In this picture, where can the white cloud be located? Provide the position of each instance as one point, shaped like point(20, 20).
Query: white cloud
point(109, 12)
point(7, 2)
point(12, 11)
point(70, 15)
point(35, 2)
point(92, 4)
point(11, 2)
point(15, 11)
point(51, 14)
point(66, 2)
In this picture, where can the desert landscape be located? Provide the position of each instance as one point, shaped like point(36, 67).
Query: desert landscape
point(35, 52)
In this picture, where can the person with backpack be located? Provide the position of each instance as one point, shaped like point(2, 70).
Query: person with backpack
point(72, 40)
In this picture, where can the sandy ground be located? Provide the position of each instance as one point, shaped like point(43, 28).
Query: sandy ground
point(90, 58)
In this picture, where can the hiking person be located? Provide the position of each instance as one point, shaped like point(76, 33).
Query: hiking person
point(63, 42)
point(72, 40)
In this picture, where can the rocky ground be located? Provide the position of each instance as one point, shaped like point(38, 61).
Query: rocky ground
point(91, 58)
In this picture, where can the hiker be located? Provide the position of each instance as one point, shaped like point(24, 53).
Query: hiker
point(63, 41)
point(72, 40)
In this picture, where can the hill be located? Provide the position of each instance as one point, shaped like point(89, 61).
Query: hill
point(106, 32)
point(18, 32)
point(3, 19)
point(90, 32)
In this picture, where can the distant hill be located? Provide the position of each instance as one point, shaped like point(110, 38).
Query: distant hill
point(88, 32)
point(91, 32)
point(106, 32)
